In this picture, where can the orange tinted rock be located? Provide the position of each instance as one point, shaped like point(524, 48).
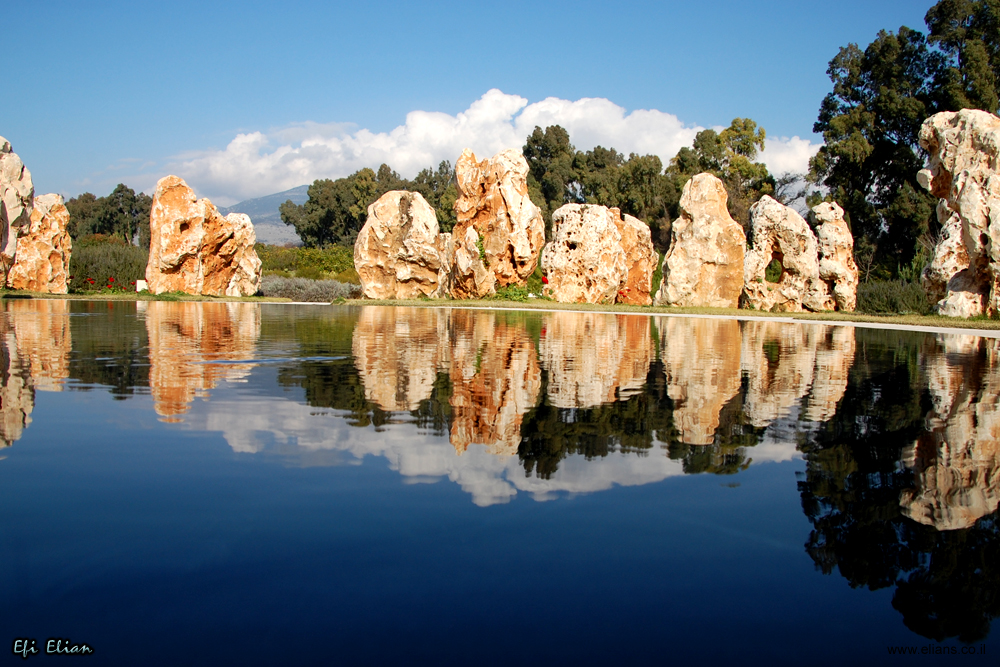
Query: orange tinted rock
point(493, 200)
point(964, 172)
point(43, 339)
point(195, 250)
point(704, 264)
point(399, 253)
point(640, 259)
point(43, 249)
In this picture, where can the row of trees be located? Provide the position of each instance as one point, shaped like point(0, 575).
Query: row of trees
point(559, 174)
point(122, 214)
point(871, 120)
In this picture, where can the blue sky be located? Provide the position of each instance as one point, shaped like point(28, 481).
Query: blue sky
point(244, 99)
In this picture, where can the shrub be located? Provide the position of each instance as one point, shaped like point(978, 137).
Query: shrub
point(511, 293)
point(312, 263)
point(95, 262)
point(892, 296)
point(304, 289)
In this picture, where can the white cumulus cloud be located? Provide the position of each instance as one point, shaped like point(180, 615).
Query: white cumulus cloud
point(260, 163)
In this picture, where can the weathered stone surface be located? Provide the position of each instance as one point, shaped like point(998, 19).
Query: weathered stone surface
point(837, 267)
point(43, 249)
point(835, 347)
point(399, 253)
point(495, 380)
point(594, 358)
point(398, 352)
point(195, 250)
point(777, 232)
point(16, 197)
point(185, 338)
point(704, 265)
point(701, 359)
point(964, 172)
point(493, 200)
point(584, 262)
point(957, 460)
point(779, 360)
point(640, 259)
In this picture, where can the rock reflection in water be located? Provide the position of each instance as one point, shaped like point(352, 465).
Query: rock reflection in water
point(495, 379)
point(594, 358)
point(43, 338)
point(956, 460)
point(184, 338)
point(17, 395)
point(701, 359)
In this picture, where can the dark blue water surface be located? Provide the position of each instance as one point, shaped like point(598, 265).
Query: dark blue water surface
point(191, 483)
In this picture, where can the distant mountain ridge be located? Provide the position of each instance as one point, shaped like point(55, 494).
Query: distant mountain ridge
point(266, 217)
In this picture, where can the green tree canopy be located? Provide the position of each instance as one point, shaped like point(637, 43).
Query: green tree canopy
point(871, 120)
point(123, 213)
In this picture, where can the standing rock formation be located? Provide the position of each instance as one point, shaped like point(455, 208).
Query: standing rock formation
point(43, 249)
point(640, 258)
point(964, 172)
point(493, 200)
point(16, 196)
point(195, 250)
point(777, 232)
point(584, 262)
point(836, 255)
point(399, 253)
point(598, 256)
point(704, 265)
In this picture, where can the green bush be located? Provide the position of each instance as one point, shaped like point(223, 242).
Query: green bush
point(303, 289)
point(94, 263)
point(313, 263)
point(892, 296)
point(511, 293)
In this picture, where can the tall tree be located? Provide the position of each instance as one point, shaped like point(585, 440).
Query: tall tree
point(967, 32)
point(551, 173)
point(123, 213)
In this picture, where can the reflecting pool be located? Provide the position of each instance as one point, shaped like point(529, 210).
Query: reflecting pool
point(189, 483)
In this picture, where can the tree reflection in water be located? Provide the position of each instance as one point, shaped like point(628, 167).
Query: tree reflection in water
point(900, 431)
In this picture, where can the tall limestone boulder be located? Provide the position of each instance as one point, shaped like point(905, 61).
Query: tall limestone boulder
point(777, 232)
point(508, 229)
point(399, 253)
point(16, 198)
point(837, 267)
point(964, 172)
point(584, 262)
point(44, 249)
point(640, 259)
point(195, 250)
point(704, 265)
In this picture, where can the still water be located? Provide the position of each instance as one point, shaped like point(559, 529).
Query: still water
point(188, 483)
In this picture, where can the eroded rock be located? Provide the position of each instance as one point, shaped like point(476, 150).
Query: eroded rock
point(964, 172)
point(704, 265)
point(44, 339)
point(837, 267)
point(43, 249)
point(780, 234)
point(195, 250)
point(493, 200)
point(584, 262)
point(399, 253)
point(16, 199)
